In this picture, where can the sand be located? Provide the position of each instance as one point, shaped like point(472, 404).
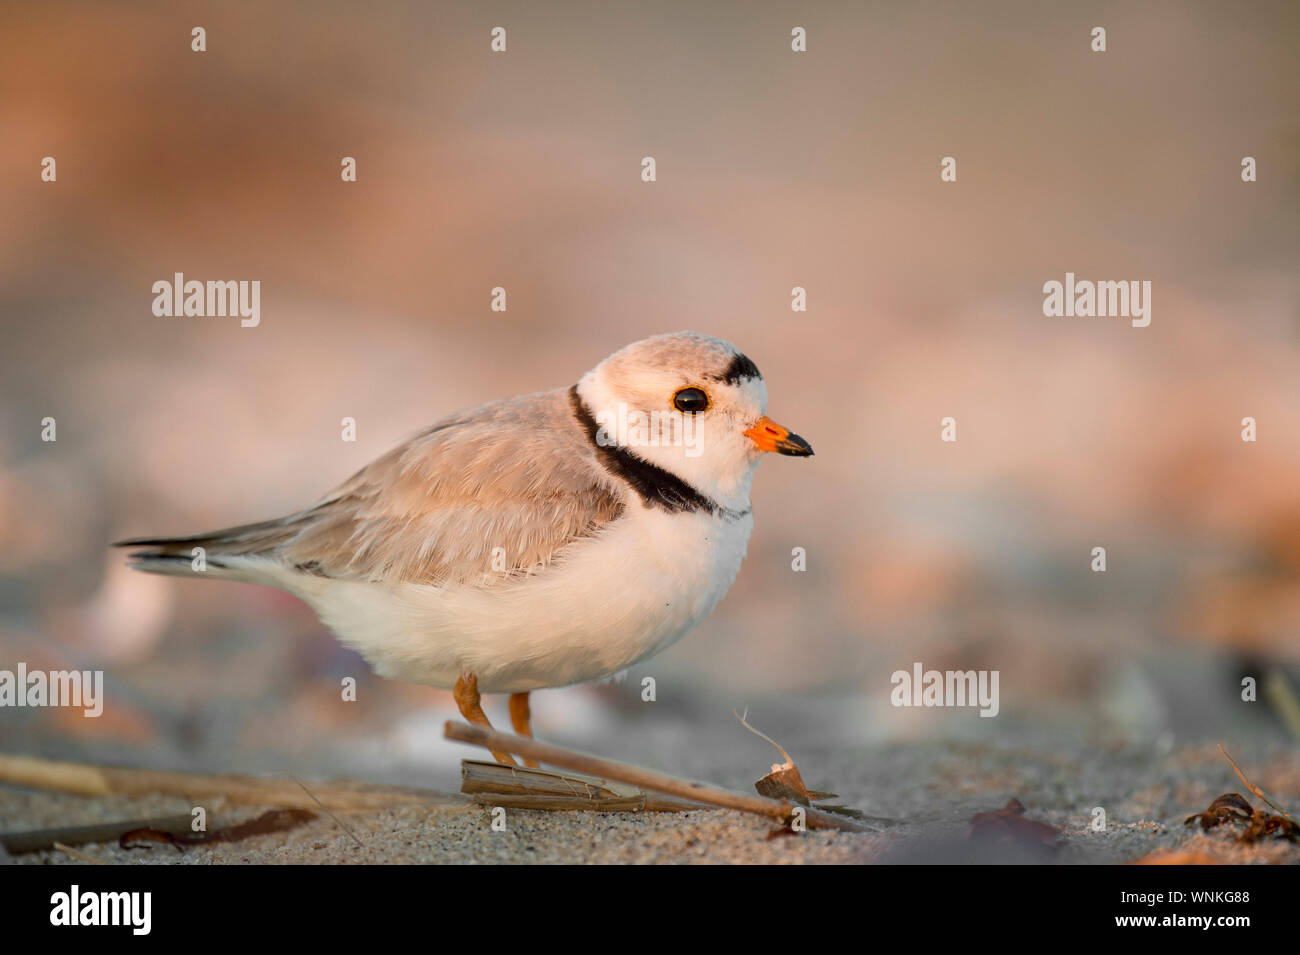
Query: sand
point(930, 789)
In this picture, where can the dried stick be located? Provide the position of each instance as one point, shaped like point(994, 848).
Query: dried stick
point(645, 778)
point(520, 787)
point(37, 840)
point(644, 803)
point(86, 780)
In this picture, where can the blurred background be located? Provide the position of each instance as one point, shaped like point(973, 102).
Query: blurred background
point(775, 170)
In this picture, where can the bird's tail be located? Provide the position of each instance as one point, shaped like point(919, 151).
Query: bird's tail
point(233, 553)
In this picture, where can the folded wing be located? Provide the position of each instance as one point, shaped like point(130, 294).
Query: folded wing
point(496, 492)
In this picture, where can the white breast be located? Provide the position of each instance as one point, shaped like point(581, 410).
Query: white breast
point(613, 600)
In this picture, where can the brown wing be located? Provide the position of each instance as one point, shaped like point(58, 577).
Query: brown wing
point(518, 475)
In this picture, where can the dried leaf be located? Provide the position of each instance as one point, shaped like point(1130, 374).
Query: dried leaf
point(1264, 825)
point(1230, 807)
point(1257, 824)
point(1009, 824)
point(784, 781)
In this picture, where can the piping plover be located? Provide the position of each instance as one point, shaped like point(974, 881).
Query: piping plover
point(537, 541)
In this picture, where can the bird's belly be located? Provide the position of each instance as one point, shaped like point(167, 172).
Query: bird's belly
point(613, 600)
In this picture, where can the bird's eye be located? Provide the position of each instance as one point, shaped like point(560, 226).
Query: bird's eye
point(690, 401)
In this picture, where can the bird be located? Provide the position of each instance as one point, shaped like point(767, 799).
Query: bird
point(537, 541)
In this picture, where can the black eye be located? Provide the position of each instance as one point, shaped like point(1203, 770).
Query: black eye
point(690, 401)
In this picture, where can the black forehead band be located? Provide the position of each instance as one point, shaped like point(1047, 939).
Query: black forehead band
point(740, 369)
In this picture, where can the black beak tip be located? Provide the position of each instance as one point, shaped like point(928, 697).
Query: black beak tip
point(796, 446)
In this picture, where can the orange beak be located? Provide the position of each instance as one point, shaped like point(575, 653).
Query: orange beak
point(770, 436)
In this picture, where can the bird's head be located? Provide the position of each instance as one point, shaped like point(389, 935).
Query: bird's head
point(692, 405)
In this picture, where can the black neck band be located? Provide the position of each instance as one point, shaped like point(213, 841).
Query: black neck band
point(655, 486)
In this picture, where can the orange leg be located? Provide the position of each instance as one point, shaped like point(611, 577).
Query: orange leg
point(521, 716)
point(467, 698)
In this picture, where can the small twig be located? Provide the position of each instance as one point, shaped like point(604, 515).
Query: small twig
point(336, 819)
point(78, 854)
point(1253, 788)
point(762, 735)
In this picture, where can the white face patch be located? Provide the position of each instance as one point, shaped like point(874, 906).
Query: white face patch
point(631, 397)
